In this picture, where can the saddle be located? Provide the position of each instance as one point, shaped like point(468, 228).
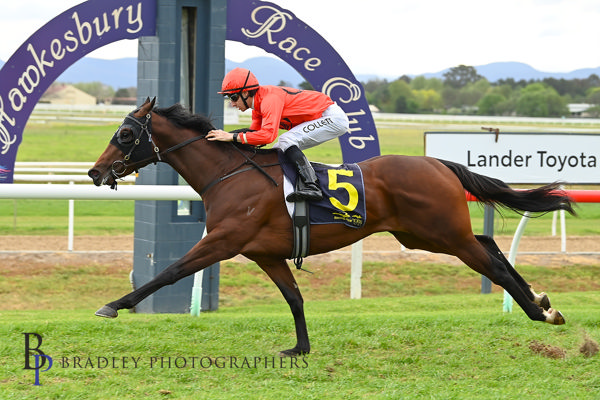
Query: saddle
point(343, 202)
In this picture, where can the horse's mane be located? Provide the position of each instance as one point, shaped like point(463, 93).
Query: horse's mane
point(184, 118)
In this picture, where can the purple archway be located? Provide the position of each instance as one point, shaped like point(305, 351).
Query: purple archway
point(51, 50)
point(95, 23)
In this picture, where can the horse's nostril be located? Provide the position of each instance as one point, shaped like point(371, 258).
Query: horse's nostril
point(93, 173)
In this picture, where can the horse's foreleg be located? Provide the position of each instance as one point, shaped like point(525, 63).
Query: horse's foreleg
point(168, 276)
point(279, 272)
point(203, 254)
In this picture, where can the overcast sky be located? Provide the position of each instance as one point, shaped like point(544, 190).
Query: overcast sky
point(394, 37)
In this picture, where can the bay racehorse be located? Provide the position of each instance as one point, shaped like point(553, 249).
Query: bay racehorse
point(419, 200)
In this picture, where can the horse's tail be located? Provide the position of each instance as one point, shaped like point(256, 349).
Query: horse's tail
point(494, 192)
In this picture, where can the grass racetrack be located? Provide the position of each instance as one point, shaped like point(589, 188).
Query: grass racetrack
point(430, 347)
point(458, 346)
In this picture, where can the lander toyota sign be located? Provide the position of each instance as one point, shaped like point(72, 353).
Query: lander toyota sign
point(521, 157)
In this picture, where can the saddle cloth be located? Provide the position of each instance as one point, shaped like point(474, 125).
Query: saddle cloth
point(343, 193)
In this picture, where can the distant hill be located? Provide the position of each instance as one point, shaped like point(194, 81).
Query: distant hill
point(268, 70)
point(516, 70)
point(122, 73)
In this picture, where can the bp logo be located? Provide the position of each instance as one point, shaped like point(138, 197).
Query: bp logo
point(33, 342)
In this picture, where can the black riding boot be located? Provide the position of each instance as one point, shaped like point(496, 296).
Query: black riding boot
point(309, 190)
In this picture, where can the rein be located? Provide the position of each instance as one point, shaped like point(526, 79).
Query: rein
point(157, 156)
point(236, 170)
point(119, 167)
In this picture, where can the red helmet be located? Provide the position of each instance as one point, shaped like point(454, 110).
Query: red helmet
point(237, 80)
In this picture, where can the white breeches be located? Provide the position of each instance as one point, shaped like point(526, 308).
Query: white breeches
point(332, 124)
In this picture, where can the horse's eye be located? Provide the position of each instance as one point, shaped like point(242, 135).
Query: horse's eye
point(125, 135)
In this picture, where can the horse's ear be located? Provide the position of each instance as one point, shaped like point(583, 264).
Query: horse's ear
point(152, 102)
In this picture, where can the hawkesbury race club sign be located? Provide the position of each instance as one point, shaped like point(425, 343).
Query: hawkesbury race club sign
point(51, 50)
point(95, 23)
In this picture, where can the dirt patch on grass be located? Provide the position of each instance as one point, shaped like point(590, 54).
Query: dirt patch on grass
point(547, 350)
point(589, 347)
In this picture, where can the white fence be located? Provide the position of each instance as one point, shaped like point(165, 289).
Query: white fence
point(101, 113)
point(91, 192)
point(72, 192)
point(72, 172)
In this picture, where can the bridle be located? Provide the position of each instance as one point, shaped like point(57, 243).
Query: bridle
point(150, 153)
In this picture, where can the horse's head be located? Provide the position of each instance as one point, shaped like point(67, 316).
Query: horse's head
point(131, 148)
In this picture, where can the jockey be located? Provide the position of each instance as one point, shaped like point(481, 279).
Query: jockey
point(310, 118)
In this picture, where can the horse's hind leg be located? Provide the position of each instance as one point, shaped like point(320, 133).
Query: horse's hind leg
point(541, 299)
point(484, 257)
point(279, 272)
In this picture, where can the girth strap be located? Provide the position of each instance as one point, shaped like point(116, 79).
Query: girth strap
point(301, 230)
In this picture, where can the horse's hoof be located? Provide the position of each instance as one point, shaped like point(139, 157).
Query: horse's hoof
point(555, 317)
point(107, 312)
point(541, 300)
point(292, 353)
point(544, 301)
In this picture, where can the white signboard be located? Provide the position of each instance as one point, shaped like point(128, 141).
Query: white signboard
point(530, 158)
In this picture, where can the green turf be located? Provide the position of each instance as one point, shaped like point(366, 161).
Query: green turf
point(424, 347)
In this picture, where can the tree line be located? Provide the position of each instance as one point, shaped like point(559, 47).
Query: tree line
point(464, 91)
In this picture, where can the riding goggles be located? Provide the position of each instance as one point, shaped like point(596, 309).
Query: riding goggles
point(233, 96)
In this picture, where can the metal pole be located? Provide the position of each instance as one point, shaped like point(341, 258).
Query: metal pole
point(71, 231)
point(488, 229)
point(563, 232)
point(196, 302)
point(512, 257)
point(356, 270)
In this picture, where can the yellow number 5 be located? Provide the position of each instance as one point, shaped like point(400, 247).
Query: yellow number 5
point(334, 185)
